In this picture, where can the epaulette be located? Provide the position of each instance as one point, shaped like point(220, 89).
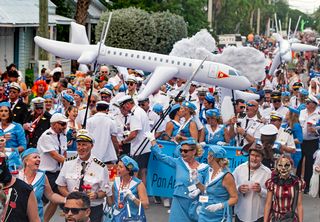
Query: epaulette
point(98, 162)
point(288, 130)
point(71, 158)
point(48, 133)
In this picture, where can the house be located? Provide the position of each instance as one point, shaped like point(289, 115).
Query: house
point(19, 20)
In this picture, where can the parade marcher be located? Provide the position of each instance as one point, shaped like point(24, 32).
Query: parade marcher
point(252, 190)
point(77, 207)
point(18, 108)
point(173, 126)
point(152, 116)
point(90, 175)
point(247, 129)
point(240, 108)
point(308, 118)
point(277, 103)
point(188, 173)
point(13, 132)
point(303, 96)
point(52, 146)
point(129, 189)
point(214, 132)
point(72, 127)
point(293, 127)
point(91, 111)
point(39, 88)
point(219, 188)
point(103, 130)
point(37, 179)
point(49, 103)
point(208, 103)
point(78, 99)
point(189, 127)
point(36, 122)
point(284, 197)
point(191, 96)
point(21, 204)
point(138, 126)
point(294, 100)
point(284, 136)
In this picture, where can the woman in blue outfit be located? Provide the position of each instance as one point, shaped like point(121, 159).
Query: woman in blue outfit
point(219, 188)
point(189, 127)
point(188, 173)
point(214, 131)
point(293, 127)
point(208, 103)
point(127, 188)
point(303, 95)
point(173, 126)
point(37, 179)
point(72, 127)
point(13, 132)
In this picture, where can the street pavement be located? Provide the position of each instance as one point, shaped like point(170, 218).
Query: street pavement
point(158, 213)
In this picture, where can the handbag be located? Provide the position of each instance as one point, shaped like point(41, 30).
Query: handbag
point(140, 217)
point(289, 216)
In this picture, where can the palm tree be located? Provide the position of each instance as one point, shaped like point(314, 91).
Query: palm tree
point(82, 11)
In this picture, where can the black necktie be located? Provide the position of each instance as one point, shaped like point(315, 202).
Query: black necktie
point(190, 98)
point(59, 147)
point(84, 165)
point(12, 104)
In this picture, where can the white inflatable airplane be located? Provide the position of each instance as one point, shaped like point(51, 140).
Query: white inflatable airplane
point(284, 51)
point(163, 67)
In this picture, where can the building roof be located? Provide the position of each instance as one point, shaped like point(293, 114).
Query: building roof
point(25, 13)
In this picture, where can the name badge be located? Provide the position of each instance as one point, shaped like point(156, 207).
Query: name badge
point(192, 187)
point(203, 199)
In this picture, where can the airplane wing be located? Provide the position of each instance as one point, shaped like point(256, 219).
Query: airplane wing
point(160, 76)
point(303, 47)
point(275, 63)
point(63, 49)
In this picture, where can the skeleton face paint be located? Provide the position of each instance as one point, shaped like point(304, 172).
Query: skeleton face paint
point(284, 167)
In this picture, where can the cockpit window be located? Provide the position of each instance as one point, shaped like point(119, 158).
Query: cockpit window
point(233, 73)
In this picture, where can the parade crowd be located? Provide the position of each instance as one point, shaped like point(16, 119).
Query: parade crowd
point(111, 134)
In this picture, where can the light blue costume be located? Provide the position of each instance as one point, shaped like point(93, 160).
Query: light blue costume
point(176, 127)
point(185, 130)
point(134, 189)
point(181, 201)
point(214, 137)
point(18, 137)
point(217, 193)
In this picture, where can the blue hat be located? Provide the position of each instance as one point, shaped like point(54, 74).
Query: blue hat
point(130, 163)
point(213, 113)
point(293, 110)
point(174, 109)
point(158, 108)
point(189, 141)
point(189, 105)
point(217, 151)
point(108, 86)
point(123, 88)
point(209, 98)
point(303, 92)
point(48, 96)
point(53, 93)
point(28, 151)
point(253, 89)
point(7, 104)
point(79, 93)
point(285, 93)
point(72, 87)
point(68, 97)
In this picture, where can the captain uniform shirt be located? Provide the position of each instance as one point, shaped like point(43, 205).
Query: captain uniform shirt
point(49, 142)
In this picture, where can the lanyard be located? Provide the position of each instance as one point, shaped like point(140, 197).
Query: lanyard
point(120, 204)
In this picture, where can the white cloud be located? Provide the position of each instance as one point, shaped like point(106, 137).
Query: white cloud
point(307, 6)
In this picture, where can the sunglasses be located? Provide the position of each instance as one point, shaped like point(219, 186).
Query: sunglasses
point(73, 210)
point(62, 123)
point(105, 97)
point(242, 107)
point(93, 102)
point(185, 150)
point(250, 105)
point(276, 101)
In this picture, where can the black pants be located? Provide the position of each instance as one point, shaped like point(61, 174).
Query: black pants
point(52, 177)
point(238, 220)
point(308, 147)
point(96, 213)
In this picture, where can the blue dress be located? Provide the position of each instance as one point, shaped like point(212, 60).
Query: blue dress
point(176, 127)
point(297, 134)
point(185, 129)
point(217, 193)
point(38, 185)
point(181, 202)
point(214, 137)
point(18, 137)
point(133, 186)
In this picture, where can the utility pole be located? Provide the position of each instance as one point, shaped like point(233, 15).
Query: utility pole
point(258, 21)
point(210, 15)
point(43, 26)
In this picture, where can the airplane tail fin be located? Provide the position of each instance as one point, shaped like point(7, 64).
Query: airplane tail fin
point(78, 34)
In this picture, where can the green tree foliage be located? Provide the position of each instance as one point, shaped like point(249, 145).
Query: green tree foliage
point(130, 28)
point(170, 28)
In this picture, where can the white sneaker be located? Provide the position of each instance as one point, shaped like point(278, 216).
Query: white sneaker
point(166, 202)
point(169, 211)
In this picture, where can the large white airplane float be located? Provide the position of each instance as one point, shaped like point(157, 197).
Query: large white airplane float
point(163, 67)
point(285, 48)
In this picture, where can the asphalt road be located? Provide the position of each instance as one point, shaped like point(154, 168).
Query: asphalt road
point(158, 213)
